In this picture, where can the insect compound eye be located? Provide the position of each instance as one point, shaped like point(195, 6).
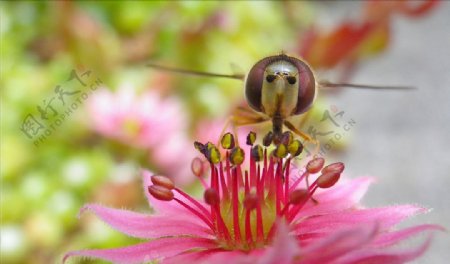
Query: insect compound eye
point(291, 79)
point(306, 86)
point(270, 78)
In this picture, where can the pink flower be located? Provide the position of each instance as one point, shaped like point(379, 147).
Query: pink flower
point(146, 121)
point(141, 120)
point(270, 213)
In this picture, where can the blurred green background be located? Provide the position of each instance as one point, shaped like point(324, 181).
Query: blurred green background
point(70, 71)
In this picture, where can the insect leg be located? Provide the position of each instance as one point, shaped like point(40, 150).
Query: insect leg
point(306, 137)
point(303, 135)
point(239, 121)
point(222, 132)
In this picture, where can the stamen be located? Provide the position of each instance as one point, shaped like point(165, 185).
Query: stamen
point(197, 167)
point(295, 148)
point(225, 191)
point(315, 165)
point(253, 175)
point(328, 179)
point(287, 138)
point(212, 153)
point(235, 205)
point(298, 181)
point(211, 196)
point(162, 181)
point(248, 229)
point(278, 186)
point(200, 147)
point(197, 213)
point(257, 153)
point(198, 170)
point(251, 138)
point(161, 193)
point(280, 151)
point(298, 196)
point(259, 222)
point(264, 187)
point(294, 211)
point(246, 183)
point(251, 201)
point(286, 180)
point(268, 139)
point(222, 228)
point(195, 202)
point(237, 156)
point(337, 167)
point(227, 141)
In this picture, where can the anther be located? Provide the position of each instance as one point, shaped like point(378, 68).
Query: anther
point(227, 141)
point(315, 165)
point(287, 138)
point(295, 148)
point(237, 156)
point(257, 153)
point(162, 181)
point(161, 193)
point(298, 196)
point(328, 179)
point(337, 167)
point(250, 201)
point(200, 147)
point(211, 196)
point(268, 138)
point(280, 151)
point(212, 153)
point(197, 167)
point(209, 145)
point(251, 138)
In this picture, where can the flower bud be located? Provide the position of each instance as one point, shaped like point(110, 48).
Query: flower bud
point(197, 167)
point(211, 196)
point(328, 179)
point(161, 193)
point(337, 167)
point(163, 181)
point(315, 165)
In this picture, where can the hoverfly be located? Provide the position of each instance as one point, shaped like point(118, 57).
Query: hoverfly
point(276, 88)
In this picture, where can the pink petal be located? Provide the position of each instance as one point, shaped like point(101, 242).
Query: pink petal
point(338, 244)
point(147, 226)
point(228, 257)
point(145, 252)
point(187, 257)
point(385, 216)
point(343, 196)
point(284, 247)
point(391, 238)
point(376, 256)
point(218, 256)
point(171, 208)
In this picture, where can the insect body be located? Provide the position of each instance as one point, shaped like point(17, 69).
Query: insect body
point(278, 87)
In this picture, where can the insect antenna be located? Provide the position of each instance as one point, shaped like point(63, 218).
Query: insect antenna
point(195, 73)
point(327, 84)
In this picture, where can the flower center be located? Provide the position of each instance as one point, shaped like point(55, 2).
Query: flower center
point(245, 204)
